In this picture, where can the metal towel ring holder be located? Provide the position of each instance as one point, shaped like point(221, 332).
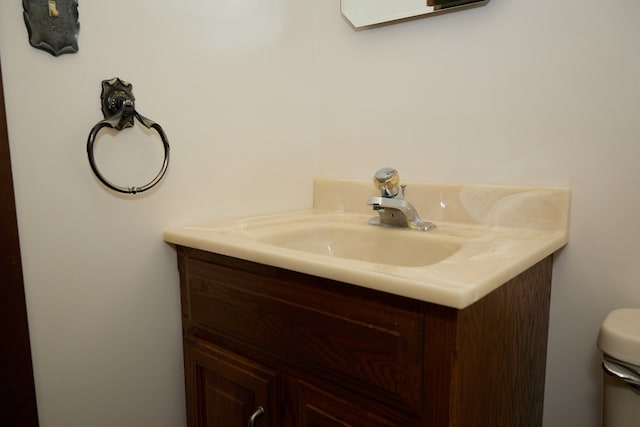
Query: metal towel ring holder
point(119, 112)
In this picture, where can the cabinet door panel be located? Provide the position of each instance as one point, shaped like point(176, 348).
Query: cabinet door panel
point(317, 408)
point(224, 389)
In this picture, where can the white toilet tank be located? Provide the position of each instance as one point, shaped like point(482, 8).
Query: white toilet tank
point(619, 340)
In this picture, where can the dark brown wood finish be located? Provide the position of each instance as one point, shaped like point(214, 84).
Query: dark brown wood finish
point(227, 389)
point(350, 356)
point(17, 390)
point(503, 351)
point(347, 337)
point(493, 359)
point(316, 407)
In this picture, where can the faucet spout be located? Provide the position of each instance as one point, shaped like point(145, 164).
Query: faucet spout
point(397, 213)
point(393, 210)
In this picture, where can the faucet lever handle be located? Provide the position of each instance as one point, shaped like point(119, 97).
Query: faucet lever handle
point(386, 180)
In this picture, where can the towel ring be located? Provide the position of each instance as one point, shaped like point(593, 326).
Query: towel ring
point(119, 112)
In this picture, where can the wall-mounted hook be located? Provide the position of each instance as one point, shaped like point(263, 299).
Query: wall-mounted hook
point(119, 113)
point(118, 101)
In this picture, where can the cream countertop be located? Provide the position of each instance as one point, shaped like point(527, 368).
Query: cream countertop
point(502, 231)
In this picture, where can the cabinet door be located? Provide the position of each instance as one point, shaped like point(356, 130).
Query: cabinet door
point(318, 408)
point(227, 390)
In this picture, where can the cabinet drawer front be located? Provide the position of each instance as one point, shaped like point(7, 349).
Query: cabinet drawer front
point(348, 335)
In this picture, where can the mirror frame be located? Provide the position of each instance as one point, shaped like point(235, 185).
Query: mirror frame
point(349, 12)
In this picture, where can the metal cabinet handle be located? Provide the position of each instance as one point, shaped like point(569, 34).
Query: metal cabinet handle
point(259, 412)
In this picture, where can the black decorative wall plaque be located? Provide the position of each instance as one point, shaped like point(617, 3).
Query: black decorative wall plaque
point(52, 24)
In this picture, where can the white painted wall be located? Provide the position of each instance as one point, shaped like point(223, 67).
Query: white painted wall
point(257, 98)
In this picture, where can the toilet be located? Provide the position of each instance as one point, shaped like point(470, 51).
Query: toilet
point(619, 341)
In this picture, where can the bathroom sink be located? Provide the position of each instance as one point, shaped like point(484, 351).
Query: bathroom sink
point(361, 242)
point(484, 237)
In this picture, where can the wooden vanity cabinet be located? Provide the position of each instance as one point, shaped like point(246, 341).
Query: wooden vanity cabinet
point(319, 353)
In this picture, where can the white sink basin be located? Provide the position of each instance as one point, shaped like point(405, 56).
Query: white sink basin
point(484, 237)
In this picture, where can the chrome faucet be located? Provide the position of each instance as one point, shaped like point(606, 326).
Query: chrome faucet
point(393, 210)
